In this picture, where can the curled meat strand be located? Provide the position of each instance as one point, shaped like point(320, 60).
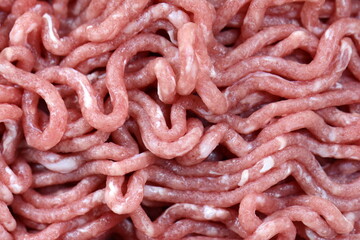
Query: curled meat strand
point(150, 15)
point(52, 134)
point(165, 149)
point(87, 98)
point(10, 115)
point(291, 69)
point(55, 230)
point(64, 197)
point(61, 213)
point(209, 119)
point(196, 69)
point(178, 211)
point(104, 167)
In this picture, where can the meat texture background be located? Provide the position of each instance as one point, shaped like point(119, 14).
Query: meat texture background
point(181, 119)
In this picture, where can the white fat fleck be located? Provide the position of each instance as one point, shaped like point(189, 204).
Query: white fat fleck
point(332, 135)
point(118, 15)
point(157, 123)
point(158, 116)
point(63, 166)
point(329, 34)
point(51, 28)
point(17, 36)
point(113, 189)
point(52, 157)
point(211, 231)
point(354, 157)
point(299, 34)
point(249, 129)
point(350, 217)
point(282, 142)
point(16, 188)
point(322, 192)
point(155, 190)
point(317, 86)
point(84, 229)
point(86, 201)
point(269, 59)
point(308, 178)
point(338, 86)
point(249, 147)
point(260, 199)
point(288, 170)
point(316, 30)
point(335, 149)
point(310, 234)
point(83, 210)
point(209, 212)
point(213, 172)
point(190, 206)
point(225, 179)
point(176, 17)
point(348, 120)
point(118, 208)
point(159, 113)
point(204, 149)
point(268, 163)
point(37, 7)
point(88, 101)
point(213, 72)
point(8, 171)
point(103, 75)
point(98, 195)
point(92, 76)
point(244, 177)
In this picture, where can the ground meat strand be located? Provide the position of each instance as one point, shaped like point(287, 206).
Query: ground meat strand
point(180, 119)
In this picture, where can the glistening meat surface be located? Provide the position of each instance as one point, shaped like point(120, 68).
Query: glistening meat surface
point(179, 119)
